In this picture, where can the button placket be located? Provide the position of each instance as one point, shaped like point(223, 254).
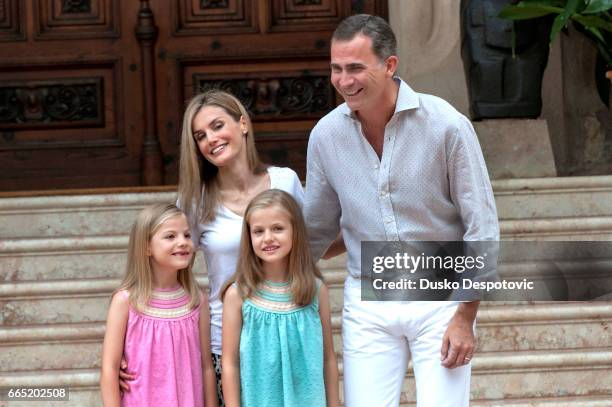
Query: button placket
point(388, 218)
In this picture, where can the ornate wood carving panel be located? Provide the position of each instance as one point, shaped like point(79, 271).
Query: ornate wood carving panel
point(65, 103)
point(53, 107)
point(268, 96)
point(11, 20)
point(307, 15)
point(76, 6)
point(77, 19)
point(210, 4)
point(213, 17)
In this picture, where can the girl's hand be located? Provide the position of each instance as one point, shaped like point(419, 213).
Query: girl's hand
point(124, 376)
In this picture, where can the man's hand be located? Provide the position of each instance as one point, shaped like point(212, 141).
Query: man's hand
point(458, 342)
point(124, 376)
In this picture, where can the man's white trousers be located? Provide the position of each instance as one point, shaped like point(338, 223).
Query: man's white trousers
point(379, 337)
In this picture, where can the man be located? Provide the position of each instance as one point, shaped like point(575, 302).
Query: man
point(391, 164)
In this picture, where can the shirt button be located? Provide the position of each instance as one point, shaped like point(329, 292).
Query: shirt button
point(375, 166)
point(388, 219)
point(383, 193)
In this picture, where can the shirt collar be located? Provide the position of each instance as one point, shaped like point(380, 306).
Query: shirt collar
point(406, 99)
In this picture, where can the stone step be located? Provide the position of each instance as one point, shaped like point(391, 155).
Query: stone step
point(490, 315)
point(14, 290)
point(86, 300)
point(69, 259)
point(35, 252)
point(60, 257)
point(560, 229)
point(60, 354)
point(83, 385)
point(584, 401)
point(502, 376)
point(543, 374)
point(545, 198)
point(75, 215)
point(104, 257)
point(90, 397)
point(538, 326)
point(83, 300)
point(525, 327)
point(552, 199)
point(79, 397)
point(506, 377)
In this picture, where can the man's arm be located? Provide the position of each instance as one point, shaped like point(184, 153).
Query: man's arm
point(471, 192)
point(458, 342)
point(470, 187)
point(321, 205)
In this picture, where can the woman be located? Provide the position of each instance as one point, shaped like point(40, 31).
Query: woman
point(219, 174)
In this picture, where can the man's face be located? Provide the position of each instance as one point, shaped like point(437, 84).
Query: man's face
point(358, 74)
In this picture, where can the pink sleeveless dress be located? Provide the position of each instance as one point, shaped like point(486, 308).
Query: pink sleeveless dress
point(162, 345)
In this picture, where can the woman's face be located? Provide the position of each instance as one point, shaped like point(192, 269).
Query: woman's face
point(220, 138)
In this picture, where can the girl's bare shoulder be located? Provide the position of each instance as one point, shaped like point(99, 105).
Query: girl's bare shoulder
point(233, 295)
point(121, 298)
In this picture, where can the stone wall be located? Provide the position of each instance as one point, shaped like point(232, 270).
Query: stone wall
point(429, 48)
point(580, 125)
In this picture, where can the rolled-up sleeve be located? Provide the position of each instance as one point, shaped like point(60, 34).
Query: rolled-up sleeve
point(470, 188)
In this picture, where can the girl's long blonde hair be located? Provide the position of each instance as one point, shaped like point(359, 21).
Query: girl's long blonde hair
point(138, 278)
point(198, 193)
point(302, 271)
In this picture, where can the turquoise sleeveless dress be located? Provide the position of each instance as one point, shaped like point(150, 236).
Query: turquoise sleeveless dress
point(281, 350)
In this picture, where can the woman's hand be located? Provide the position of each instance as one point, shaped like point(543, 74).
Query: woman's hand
point(124, 376)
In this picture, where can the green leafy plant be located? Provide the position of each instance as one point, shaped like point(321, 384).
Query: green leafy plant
point(592, 17)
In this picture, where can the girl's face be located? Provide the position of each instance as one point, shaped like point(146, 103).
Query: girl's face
point(271, 235)
point(170, 248)
point(219, 137)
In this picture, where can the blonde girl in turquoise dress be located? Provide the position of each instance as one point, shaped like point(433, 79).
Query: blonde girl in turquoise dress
point(277, 340)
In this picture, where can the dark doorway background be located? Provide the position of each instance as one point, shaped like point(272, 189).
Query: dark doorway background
point(92, 91)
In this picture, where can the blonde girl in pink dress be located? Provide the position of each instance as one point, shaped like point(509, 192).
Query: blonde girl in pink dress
point(159, 320)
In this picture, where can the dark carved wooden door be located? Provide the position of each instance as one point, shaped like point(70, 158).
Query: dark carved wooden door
point(70, 94)
point(92, 91)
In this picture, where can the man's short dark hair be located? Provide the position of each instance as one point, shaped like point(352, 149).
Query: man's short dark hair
point(376, 28)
